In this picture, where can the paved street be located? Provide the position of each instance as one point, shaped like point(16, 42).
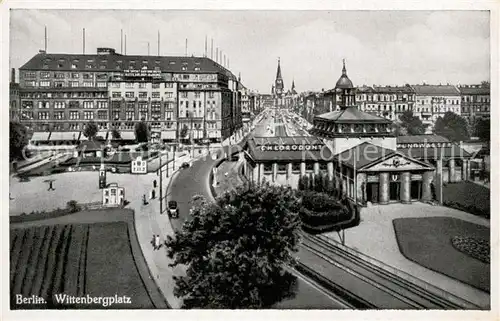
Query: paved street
point(194, 181)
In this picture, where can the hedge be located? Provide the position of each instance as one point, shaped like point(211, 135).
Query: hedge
point(467, 208)
point(354, 212)
point(320, 202)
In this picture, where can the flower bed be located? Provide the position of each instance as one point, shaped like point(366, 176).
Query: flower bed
point(474, 247)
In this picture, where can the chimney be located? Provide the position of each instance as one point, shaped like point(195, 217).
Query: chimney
point(13, 75)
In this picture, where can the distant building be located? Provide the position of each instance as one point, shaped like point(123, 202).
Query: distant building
point(386, 101)
point(475, 102)
point(433, 101)
point(278, 88)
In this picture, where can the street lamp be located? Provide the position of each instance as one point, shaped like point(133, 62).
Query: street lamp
point(160, 173)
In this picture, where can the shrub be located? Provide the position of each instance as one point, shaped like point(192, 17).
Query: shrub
point(319, 202)
point(73, 206)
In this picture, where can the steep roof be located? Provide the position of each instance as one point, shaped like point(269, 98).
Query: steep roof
point(436, 90)
point(393, 89)
point(352, 115)
point(114, 62)
point(412, 139)
point(476, 90)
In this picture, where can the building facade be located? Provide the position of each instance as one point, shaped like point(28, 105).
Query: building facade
point(63, 92)
point(386, 101)
point(475, 102)
point(14, 97)
point(433, 101)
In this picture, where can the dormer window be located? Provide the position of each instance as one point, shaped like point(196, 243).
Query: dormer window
point(171, 62)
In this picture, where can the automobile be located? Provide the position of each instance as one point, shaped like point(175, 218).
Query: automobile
point(173, 209)
point(185, 165)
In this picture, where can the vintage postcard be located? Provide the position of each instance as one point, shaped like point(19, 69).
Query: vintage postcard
point(327, 159)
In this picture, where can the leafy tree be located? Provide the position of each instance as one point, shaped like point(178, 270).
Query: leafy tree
point(90, 130)
point(412, 124)
point(115, 134)
point(141, 132)
point(452, 127)
point(184, 131)
point(482, 129)
point(235, 249)
point(18, 140)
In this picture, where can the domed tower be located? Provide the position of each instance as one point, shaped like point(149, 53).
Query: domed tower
point(344, 89)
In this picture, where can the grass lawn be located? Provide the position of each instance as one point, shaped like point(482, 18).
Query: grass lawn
point(427, 241)
point(468, 194)
point(111, 268)
point(75, 259)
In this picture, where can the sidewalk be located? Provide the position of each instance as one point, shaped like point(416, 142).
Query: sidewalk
point(149, 222)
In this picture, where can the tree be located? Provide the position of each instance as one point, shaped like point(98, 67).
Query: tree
point(18, 140)
point(141, 132)
point(184, 131)
point(235, 249)
point(412, 124)
point(482, 129)
point(115, 134)
point(90, 130)
point(452, 127)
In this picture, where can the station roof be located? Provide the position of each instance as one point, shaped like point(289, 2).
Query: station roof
point(431, 138)
point(352, 115)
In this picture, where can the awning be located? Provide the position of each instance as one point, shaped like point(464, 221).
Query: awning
point(103, 134)
point(127, 135)
point(40, 136)
point(168, 134)
point(64, 136)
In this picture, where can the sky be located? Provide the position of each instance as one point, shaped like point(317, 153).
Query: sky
point(380, 47)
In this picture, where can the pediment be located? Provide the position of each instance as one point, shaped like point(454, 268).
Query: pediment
point(396, 163)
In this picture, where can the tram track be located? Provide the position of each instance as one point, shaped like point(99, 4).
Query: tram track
point(386, 289)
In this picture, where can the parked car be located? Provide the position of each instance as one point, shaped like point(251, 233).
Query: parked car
point(185, 165)
point(173, 209)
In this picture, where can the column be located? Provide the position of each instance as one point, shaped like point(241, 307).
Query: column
point(275, 171)
point(451, 170)
point(405, 188)
point(383, 188)
point(302, 169)
point(288, 173)
point(329, 168)
point(426, 186)
point(316, 169)
point(255, 174)
point(439, 180)
point(465, 169)
point(261, 173)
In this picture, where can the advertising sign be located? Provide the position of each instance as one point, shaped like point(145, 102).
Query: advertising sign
point(292, 147)
point(142, 73)
point(102, 178)
point(425, 145)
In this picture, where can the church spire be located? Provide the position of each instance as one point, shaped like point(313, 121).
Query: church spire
point(278, 72)
point(293, 84)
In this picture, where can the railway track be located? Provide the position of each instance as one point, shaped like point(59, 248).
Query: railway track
point(365, 285)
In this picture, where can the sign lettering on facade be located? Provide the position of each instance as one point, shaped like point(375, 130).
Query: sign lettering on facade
point(416, 177)
point(425, 145)
point(142, 73)
point(293, 147)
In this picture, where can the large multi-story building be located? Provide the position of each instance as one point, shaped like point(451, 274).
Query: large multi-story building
point(475, 102)
point(385, 101)
point(433, 101)
point(63, 92)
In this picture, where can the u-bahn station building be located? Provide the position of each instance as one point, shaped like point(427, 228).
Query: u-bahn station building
point(360, 152)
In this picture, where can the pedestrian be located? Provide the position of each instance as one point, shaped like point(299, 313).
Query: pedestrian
point(153, 194)
point(153, 242)
point(51, 188)
point(144, 199)
point(154, 183)
point(157, 242)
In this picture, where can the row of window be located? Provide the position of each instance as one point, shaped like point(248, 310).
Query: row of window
point(63, 84)
point(62, 104)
